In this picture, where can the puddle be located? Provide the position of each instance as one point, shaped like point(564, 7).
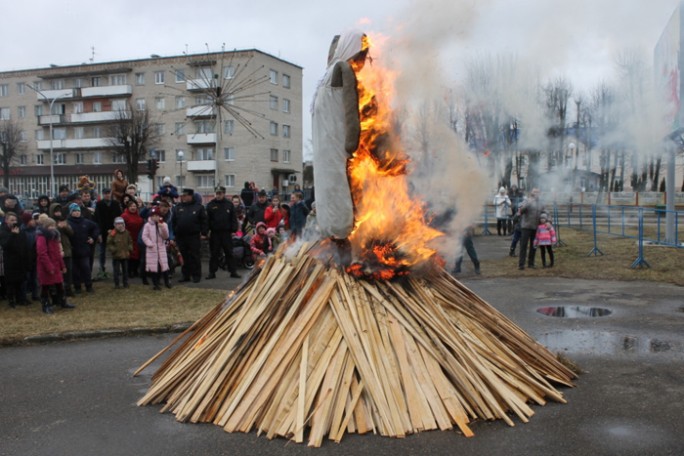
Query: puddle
point(574, 311)
point(606, 343)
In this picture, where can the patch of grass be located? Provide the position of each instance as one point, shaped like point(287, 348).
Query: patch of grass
point(110, 309)
point(572, 261)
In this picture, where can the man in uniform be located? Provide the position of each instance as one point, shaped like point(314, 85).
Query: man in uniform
point(222, 224)
point(189, 227)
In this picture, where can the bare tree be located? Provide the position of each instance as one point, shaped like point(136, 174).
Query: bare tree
point(10, 141)
point(134, 135)
point(557, 93)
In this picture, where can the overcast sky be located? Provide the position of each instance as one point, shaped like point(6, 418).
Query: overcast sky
point(576, 38)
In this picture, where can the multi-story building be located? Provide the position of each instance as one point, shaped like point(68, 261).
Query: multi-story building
point(219, 118)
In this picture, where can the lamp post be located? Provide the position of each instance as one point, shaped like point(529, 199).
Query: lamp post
point(179, 158)
point(51, 102)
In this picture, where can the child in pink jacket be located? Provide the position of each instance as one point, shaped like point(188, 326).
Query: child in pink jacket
point(545, 238)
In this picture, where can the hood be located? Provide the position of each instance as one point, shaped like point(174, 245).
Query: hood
point(256, 228)
point(347, 46)
point(53, 208)
point(44, 197)
point(116, 171)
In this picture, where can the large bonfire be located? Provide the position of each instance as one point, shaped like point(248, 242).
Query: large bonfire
point(391, 343)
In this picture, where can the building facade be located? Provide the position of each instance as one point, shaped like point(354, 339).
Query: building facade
point(219, 118)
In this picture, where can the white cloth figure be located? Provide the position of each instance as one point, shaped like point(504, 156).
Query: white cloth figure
point(335, 136)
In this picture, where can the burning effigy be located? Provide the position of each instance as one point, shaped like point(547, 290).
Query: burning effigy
point(361, 330)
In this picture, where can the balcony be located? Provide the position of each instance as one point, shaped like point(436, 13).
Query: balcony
point(199, 84)
point(86, 143)
point(201, 111)
point(201, 165)
point(54, 119)
point(62, 94)
point(103, 116)
point(202, 138)
point(107, 91)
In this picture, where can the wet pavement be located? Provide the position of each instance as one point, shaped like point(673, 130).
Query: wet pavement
point(79, 397)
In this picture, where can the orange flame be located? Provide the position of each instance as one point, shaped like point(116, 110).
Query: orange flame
point(388, 222)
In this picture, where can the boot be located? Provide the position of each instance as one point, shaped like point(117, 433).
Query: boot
point(512, 252)
point(155, 281)
point(47, 308)
point(143, 275)
point(167, 280)
point(61, 300)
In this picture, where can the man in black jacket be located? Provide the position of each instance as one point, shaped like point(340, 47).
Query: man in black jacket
point(256, 211)
point(189, 227)
point(85, 236)
point(222, 225)
point(106, 210)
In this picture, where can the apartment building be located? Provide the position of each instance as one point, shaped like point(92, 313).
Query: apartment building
point(218, 118)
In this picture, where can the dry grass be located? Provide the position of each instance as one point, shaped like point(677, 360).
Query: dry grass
point(109, 309)
point(572, 261)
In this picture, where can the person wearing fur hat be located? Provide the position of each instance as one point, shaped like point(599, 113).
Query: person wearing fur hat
point(154, 236)
point(15, 256)
point(120, 246)
point(545, 238)
point(85, 235)
point(118, 187)
point(51, 266)
point(502, 204)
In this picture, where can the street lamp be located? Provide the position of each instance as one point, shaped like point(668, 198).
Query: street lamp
point(179, 158)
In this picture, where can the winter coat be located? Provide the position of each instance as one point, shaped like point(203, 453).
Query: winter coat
point(134, 224)
point(49, 257)
point(335, 136)
point(168, 190)
point(43, 209)
point(247, 195)
point(260, 245)
point(154, 236)
point(190, 219)
point(15, 254)
point(272, 217)
point(256, 212)
point(84, 229)
point(119, 244)
point(502, 204)
point(221, 216)
point(530, 210)
point(298, 215)
point(105, 213)
point(118, 188)
point(546, 235)
point(65, 231)
point(31, 246)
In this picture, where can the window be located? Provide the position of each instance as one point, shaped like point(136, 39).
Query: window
point(97, 157)
point(159, 77)
point(180, 75)
point(21, 88)
point(118, 105)
point(78, 107)
point(229, 153)
point(160, 102)
point(58, 109)
point(38, 110)
point(22, 136)
point(161, 155)
point(139, 79)
point(228, 127)
point(286, 81)
point(97, 106)
point(273, 76)
point(38, 85)
point(205, 126)
point(118, 158)
point(80, 158)
point(79, 133)
point(77, 83)
point(180, 181)
point(21, 111)
point(204, 73)
point(230, 180)
point(118, 79)
point(95, 81)
point(40, 159)
point(59, 133)
point(274, 129)
point(229, 72)
point(206, 181)
point(59, 158)
point(159, 129)
point(273, 102)
point(179, 128)
point(4, 113)
point(274, 155)
point(4, 90)
point(286, 156)
point(57, 84)
point(202, 100)
point(286, 131)
point(180, 102)
point(40, 135)
point(97, 132)
point(204, 153)
point(286, 105)
point(140, 104)
point(23, 159)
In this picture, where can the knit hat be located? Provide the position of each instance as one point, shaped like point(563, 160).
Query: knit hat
point(502, 190)
point(167, 180)
point(74, 207)
point(26, 217)
point(154, 211)
point(544, 216)
point(119, 220)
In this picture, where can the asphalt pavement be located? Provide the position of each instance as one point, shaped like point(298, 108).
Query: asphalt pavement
point(79, 397)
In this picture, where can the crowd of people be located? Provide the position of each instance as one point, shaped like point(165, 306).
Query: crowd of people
point(48, 253)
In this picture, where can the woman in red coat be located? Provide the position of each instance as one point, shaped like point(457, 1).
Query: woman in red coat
point(134, 223)
point(50, 265)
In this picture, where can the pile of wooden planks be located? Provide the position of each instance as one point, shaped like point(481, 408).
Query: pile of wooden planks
point(304, 351)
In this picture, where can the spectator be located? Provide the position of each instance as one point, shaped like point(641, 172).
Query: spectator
point(260, 243)
point(51, 266)
point(84, 237)
point(63, 196)
point(257, 210)
point(545, 238)
point(87, 205)
point(106, 211)
point(168, 189)
point(529, 213)
point(43, 204)
point(132, 195)
point(31, 284)
point(118, 187)
point(237, 202)
point(222, 222)
point(189, 227)
point(247, 195)
point(470, 249)
point(134, 225)
point(516, 234)
point(65, 234)
point(154, 236)
point(11, 204)
point(502, 204)
point(298, 214)
point(120, 246)
point(273, 214)
point(15, 257)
